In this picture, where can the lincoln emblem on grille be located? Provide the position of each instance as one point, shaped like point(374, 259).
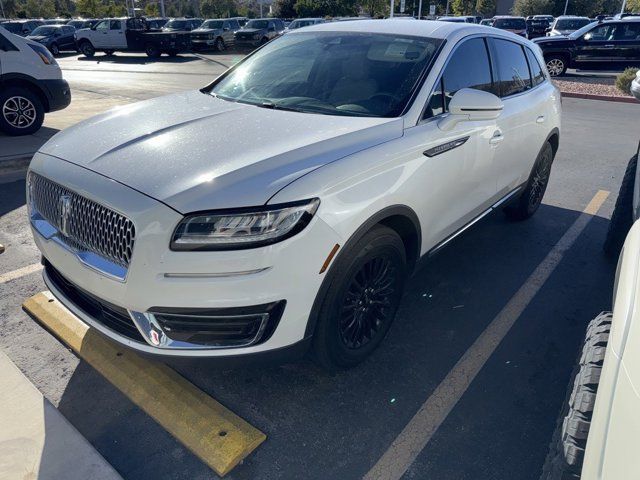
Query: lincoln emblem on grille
point(64, 204)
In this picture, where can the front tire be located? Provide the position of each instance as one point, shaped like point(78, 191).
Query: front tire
point(531, 197)
point(152, 51)
point(21, 111)
point(87, 49)
point(219, 45)
point(54, 49)
point(361, 301)
point(622, 217)
point(556, 65)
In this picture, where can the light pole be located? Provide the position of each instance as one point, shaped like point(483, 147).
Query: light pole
point(566, 4)
point(624, 4)
point(420, 10)
point(2, 8)
point(162, 8)
point(391, 8)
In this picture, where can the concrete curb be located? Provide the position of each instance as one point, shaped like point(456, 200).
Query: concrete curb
point(607, 98)
point(15, 164)
point(37, 440)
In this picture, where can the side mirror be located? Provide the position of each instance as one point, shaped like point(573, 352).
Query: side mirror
point(471, 105)
point(547, 30)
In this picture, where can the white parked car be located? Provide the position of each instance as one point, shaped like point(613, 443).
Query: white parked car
point(31, 84)
point(284, 205)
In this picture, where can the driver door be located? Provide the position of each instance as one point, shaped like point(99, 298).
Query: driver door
point(597, 45)
point(457, 171)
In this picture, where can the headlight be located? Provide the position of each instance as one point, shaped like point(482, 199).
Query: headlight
point(244, 228)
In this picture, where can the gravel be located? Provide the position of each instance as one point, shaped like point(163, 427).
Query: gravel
point(589, 85)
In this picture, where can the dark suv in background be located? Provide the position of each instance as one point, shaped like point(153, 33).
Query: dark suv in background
point(612, 44)
point(259, 31)
point(537, 28)
point(55, 37)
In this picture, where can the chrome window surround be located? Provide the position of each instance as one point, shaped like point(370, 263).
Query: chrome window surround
point(77, 235)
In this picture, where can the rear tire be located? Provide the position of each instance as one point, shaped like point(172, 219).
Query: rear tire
point(87, 49)
point(566, 453)
point(622, 217)
point(21, 111)
point(54, 49)
point(556, 64)
point(361, 302)
point(531, 197)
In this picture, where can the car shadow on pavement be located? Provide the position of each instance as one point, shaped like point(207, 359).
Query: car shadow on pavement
point(17, 147)
point(322, 425)
point(12, 195)
point(123, 59)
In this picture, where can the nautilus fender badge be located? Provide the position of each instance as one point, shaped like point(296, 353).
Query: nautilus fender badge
point(445, 147)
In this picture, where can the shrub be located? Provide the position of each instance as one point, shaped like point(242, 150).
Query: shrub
point(623, 81)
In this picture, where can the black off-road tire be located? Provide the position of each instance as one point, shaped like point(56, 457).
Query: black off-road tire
point(566, 452)
point(30, 104)
point(531, 197)
point(622, 217)
point(87, 49)
point(330, 349)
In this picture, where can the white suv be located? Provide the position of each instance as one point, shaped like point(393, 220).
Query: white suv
point(285, 204)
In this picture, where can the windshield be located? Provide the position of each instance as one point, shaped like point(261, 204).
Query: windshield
point(578, 33)
point(332, 73)
point(212, 24)
point(259, 24)
point(44, 31)
point(510, 23)
point(177, 24)
point(300, 23)
point(573, 24)
point(13, 27)
point(76, 23)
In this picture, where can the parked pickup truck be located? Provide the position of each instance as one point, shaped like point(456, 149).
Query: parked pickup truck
point(132, 35)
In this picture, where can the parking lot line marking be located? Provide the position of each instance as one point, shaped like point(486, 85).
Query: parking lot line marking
point(418, 432)
point(20, 272)
point(217, 436)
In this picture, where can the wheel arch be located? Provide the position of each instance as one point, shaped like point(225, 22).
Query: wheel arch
point(24, 81)
point(400, 218)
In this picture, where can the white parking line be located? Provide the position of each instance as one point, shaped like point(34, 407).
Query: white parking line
point(20, 272)
point(418, 432)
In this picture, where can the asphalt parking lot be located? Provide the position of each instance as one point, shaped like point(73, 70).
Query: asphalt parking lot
point(494, 425)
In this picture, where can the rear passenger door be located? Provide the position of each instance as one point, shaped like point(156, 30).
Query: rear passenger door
point(66, 40)
point(518, 138)
point(457, 169)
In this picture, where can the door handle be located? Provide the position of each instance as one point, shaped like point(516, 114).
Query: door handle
point(497, 138)
point(540, 119)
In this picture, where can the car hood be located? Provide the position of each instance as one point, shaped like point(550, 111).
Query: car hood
point(206, 30)
point(251, 30)
point(552, 40)
point(195, 152)
point(38, 38)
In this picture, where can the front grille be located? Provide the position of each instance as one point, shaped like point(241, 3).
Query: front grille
point(202, 36)
point(111, 316)
point(87, 225)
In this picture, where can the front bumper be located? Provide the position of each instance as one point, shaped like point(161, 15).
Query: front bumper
point(161, 280)
point(246, 43)
point(58, 93)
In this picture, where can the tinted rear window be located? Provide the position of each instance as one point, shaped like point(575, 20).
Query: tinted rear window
point(510, 23)
point(512, 72)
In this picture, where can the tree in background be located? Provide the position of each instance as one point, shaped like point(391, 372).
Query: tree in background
point(90, 8)
point(486, 8)
point(524, 8)
point(218, 8)
point(633, 5)
point(37, 9)
point(284, 8)
point(152, 10)
point(463, 7)
point(321, 8)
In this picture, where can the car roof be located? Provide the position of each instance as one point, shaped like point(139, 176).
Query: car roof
point(421, 28)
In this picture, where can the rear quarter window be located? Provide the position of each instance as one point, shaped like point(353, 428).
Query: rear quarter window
point(537, 74)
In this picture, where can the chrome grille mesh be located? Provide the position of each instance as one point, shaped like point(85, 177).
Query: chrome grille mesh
point(89, 225)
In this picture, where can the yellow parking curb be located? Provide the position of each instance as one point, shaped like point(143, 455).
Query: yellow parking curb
point(213, 433)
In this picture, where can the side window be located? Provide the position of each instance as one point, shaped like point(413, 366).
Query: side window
point(225, 25)
point(628, 31)
point(468, 67)
point(114, 25)
point(103, 25)
point(271, 26)
point(512, 72)
point(601, 33)
point(537, 74)
point(6, 45)
point(233, 25)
